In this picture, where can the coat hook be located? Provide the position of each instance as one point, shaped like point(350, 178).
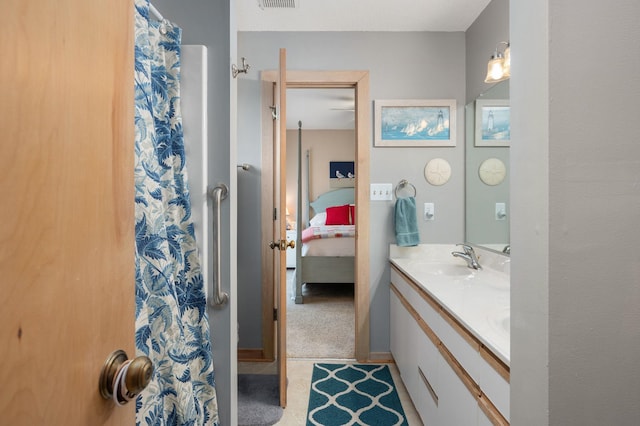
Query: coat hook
point(235, 70)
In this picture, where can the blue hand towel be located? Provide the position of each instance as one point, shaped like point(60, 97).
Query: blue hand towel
point(406, 222)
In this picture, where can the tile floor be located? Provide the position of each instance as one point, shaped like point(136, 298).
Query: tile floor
point(299, 374)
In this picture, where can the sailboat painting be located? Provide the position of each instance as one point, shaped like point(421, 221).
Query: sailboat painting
point(493, 122)
point(406, 123)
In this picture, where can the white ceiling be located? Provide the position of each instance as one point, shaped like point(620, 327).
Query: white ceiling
point(321, 108)
point(330, 108)
point(361, 15)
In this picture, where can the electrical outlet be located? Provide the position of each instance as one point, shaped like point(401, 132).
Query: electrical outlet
point(381, 191)
point(429, 211)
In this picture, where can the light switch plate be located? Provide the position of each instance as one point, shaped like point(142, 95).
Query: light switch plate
point(381, 192)
point(429, 211)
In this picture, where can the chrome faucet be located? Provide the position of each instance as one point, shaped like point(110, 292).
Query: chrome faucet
point(469, 255)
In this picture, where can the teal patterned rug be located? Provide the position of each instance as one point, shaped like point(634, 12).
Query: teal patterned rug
point(353, 394)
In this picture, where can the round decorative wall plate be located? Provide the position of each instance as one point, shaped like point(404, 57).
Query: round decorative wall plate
point(492, 171)
point(437, 171)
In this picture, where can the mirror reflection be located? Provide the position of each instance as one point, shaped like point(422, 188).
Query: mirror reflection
point(487, 127)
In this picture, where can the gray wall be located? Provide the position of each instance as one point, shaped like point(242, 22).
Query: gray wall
point(408, 65)
point(530, 220)
point(575, 200)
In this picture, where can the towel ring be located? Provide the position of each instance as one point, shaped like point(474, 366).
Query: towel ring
point(402, 184)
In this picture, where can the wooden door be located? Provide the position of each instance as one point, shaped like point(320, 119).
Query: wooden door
point(280, 195)
point(67, 220)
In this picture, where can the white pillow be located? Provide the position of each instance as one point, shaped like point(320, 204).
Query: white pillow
point(318, 220)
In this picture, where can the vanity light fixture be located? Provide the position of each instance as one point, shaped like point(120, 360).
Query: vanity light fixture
point(499, 66)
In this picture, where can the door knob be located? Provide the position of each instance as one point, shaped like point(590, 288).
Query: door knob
point(282, 244)
point(123, 379)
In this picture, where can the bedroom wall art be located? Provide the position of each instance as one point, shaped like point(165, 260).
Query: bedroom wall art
point(342, 174)
point(415, 123)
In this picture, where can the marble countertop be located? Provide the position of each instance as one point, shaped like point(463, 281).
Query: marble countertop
point(479, 299)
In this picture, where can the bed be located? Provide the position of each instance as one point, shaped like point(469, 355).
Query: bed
point(325, 253)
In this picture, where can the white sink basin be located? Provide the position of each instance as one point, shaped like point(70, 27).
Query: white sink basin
point(446, 269)
point(494, 279)
point(458, 272)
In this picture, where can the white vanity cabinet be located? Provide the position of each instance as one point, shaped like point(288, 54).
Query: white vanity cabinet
point(451, 377)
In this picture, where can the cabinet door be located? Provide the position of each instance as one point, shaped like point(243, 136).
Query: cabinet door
point(411, 349)
point(401, 343)
point(428, 380)
point(456, 406)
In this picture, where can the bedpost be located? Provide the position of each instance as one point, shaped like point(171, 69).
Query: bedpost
point(307, 198)
point(298, 297)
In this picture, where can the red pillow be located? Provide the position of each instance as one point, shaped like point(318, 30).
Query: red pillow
point(338, 215)
point(352, 214)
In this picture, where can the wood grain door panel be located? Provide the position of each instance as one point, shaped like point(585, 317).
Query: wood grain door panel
point(66, 221)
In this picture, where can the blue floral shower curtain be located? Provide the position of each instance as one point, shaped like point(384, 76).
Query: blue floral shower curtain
point(172, 327)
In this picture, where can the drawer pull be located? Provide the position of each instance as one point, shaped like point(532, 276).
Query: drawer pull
point(432, 392)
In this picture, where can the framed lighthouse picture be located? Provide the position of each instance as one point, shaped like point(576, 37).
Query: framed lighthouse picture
point(493, 122)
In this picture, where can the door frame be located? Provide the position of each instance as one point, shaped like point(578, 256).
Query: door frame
point(359, 81)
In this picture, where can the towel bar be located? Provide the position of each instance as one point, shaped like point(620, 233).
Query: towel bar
point(402, 184)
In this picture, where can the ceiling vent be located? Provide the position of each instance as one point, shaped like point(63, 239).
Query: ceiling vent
point(278, 4)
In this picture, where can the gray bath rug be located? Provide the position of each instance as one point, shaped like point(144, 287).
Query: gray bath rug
point(258, 401)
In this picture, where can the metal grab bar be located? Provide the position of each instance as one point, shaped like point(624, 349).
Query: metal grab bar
point(217, 296)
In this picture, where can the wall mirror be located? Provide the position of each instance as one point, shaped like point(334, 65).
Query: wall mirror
point(487, 210)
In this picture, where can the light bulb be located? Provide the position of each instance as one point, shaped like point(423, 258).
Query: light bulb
point(495, 69)
point(507, 61)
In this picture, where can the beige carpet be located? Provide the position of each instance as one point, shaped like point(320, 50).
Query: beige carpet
point(323, 326)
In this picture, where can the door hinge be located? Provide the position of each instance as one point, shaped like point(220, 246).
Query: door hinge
point(275, 213)
point(275, 314)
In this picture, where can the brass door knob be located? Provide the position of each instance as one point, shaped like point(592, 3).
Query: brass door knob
point(282, 244)
point(139, 374)
point(135, 378)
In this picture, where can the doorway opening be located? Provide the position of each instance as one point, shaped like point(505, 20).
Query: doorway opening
point(358, 82)
point(320, 163)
